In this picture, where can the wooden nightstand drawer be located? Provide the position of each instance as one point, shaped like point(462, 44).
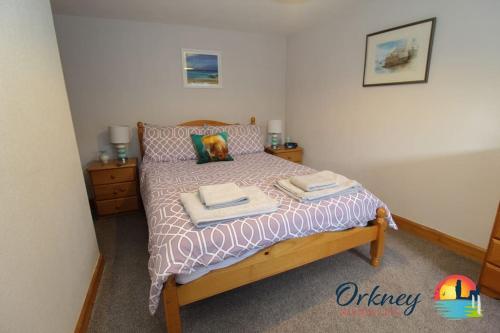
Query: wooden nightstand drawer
point(489, 280)
point(496, 230)
point(494, 253)
point(291, 156)
point(112, 176)
point(491, 277)
point(113, 191)
point(113, 206)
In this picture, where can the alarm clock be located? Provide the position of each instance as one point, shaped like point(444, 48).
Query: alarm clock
point(290, 145)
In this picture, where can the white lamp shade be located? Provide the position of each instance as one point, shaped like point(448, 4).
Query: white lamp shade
point(119, 134)
point(274, 126)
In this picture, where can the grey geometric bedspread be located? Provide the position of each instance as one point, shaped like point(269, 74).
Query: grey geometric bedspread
point(176, 246)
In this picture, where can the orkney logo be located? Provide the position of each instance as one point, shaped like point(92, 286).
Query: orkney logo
point(374, 302)
point(457, 297)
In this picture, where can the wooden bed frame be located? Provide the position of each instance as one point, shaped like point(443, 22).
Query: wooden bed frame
point(278, 258)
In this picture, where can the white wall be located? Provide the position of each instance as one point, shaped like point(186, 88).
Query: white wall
point(431, 151)
point(122, 72)
point(48, 248)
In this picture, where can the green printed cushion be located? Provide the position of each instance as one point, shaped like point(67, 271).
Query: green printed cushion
point(211, 148)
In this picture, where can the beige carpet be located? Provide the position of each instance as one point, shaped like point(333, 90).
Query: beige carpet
point(302, 300)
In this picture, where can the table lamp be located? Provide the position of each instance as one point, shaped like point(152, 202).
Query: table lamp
point(274, 128)
point(120, 137)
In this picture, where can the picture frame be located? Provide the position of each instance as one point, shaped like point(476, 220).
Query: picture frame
point(399, 55)
point(201, 69)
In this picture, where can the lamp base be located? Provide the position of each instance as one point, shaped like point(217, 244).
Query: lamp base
point(121, 153)
point(121, 161)
point(274, 140)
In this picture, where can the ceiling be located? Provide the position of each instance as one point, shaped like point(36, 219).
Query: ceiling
point(274, 16)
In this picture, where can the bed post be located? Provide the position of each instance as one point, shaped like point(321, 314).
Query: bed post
point(171, 306)
point(377, 246)
point(140, 136)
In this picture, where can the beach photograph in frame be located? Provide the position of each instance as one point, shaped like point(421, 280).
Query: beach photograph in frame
point(399, 55)
point(201, 69)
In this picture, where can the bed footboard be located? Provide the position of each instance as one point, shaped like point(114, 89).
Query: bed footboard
point(273, 260)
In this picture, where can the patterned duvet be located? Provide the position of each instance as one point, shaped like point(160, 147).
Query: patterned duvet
point(176, 246)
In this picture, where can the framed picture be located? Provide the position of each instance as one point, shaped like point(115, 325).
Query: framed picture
point(201, 69)
point(399, 55)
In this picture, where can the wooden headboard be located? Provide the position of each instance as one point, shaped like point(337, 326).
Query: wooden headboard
point(140, 128)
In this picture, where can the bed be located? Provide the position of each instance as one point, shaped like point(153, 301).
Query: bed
point(185, 261)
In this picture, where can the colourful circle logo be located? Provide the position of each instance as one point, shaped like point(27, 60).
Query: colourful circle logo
point(457, 297)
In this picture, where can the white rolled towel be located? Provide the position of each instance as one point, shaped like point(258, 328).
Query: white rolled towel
point(318, 181)
point(346, 188)
point(258, 203)
point(222, 195)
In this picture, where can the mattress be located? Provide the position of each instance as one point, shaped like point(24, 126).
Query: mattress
point(177, 247)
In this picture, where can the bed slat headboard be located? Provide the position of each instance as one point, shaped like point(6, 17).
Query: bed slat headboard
point(140, 128)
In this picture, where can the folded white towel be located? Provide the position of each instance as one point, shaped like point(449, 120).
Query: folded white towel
point(222, 195)
point(318, 181)
point(346, 188)
point(259, 203)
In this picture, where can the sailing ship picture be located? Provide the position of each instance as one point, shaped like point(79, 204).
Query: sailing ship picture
point(399, 55)
point(395, 55)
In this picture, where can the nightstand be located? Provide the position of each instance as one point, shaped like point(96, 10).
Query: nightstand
point(489, 279)
point(292, 154)
point(114, 186)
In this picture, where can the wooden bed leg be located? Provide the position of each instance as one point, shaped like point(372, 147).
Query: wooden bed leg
point(377, 246)
point(171, 305)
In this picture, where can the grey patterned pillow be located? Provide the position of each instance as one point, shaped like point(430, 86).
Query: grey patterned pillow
point(242, 139)
point(169, 143)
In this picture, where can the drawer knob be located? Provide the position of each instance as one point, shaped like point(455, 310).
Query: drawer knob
point(112, 177)
point(115, 193)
